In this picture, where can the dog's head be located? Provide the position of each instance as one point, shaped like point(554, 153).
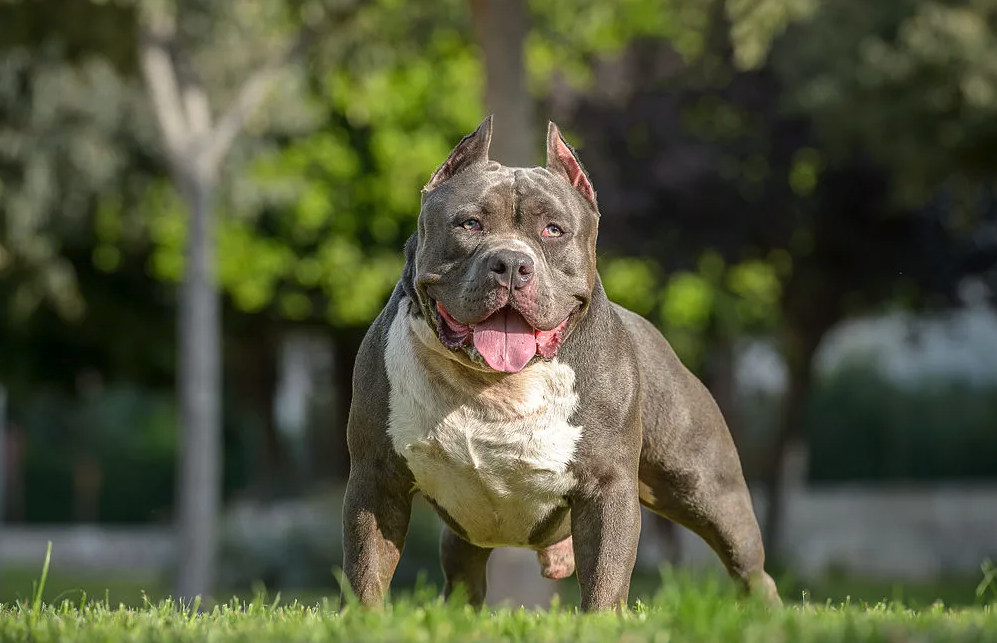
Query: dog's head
point(504, 262)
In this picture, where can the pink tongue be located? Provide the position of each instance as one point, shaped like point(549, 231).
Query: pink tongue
point(506, 341)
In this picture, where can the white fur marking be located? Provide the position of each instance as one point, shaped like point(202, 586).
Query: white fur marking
point(494, 457)
point(518, 244)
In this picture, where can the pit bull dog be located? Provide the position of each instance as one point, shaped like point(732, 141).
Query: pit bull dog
point(502, 384)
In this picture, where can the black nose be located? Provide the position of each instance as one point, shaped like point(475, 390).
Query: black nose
point(511, 268)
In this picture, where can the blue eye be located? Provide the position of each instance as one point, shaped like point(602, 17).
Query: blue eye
point(553, 231)
point(471, 224)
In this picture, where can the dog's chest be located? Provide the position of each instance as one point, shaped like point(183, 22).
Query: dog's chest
point(495, 460)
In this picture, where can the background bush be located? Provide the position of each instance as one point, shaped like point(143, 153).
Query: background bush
point(131, 433)
point(862, 427)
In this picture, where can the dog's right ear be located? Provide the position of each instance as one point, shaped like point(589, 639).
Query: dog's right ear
point(562, 159)
point(471, 151)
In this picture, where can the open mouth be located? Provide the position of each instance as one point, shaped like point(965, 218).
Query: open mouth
point(504, 339)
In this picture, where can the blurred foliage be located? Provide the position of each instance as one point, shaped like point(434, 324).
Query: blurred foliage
point(921, 75)
point(328, 178)
point(743, 298)
point(79, 152)
point(69, 134)
point(568, 37)
point(342, 200)
point(130, 434)
point(862, 427)
point(706, 167)
point(755, 24)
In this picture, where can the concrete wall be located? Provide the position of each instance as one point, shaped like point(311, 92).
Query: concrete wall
point(87, 547)
point(895, 533)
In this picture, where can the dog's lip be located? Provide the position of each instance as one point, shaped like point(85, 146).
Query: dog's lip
point(444, 315)
point(457, 325)
point(455, 334)
point(449, 319)
point(451, 333)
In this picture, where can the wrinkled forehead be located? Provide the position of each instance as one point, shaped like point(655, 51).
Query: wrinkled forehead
point(497, 189)
point(538, 189)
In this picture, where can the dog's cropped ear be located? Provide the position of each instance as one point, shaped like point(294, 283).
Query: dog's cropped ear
point(471, 151)
point(562, 160)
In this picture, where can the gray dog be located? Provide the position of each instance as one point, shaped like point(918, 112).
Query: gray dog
point(502, 384)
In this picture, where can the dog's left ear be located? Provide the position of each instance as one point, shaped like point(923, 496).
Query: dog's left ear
point(562, 160)
point(472, 150)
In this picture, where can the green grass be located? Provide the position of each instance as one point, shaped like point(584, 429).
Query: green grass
point(134, 589)
point(684, 610)
point(680, 607)
point(17, 583)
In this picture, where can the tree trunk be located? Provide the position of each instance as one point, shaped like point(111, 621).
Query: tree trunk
point(273, 459)
point(721, 379)
point(4, 458)
point(500, 27)
point(199, 479)
point(251, 361)
point(799, 361)
point(196, 149)
point(12, 452)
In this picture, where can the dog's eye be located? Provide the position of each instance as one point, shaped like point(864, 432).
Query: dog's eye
point(553, 231)
point(471, 224)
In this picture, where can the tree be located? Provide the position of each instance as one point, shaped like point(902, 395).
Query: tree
point(918, 71)
point(74, 128)
point(500, 28)
point(919, 74)
point(196, 145)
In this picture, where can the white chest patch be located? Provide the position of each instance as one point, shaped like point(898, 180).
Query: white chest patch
point(492, 451)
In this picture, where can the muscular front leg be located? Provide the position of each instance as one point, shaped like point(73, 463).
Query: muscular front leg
point(605, 528)
point(464, 565)
point(375, 522)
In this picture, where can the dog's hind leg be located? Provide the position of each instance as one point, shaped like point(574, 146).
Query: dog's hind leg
point(716, 505)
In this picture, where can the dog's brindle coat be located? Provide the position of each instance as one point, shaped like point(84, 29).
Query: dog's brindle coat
point(557, 455)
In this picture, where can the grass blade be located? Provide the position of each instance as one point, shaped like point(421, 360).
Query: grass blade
point(36, 604)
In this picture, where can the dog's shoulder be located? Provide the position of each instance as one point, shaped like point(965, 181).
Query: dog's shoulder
point(368, 419)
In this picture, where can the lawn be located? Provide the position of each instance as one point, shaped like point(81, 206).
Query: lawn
point(677, 607)
point(684, 608)
point(683, 611)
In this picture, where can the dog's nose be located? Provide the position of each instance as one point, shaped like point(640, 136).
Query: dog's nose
point(511, 268)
